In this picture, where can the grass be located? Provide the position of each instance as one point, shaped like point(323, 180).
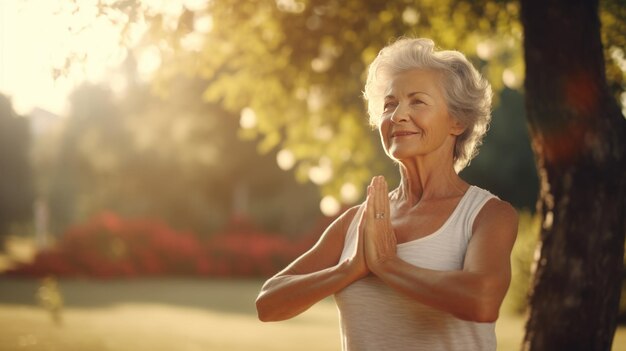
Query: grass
point(175, 314)
point(167, 314)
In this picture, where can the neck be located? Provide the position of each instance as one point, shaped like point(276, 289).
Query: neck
point(425, 179)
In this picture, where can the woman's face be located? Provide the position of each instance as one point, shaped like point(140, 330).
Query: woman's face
point(415, 120)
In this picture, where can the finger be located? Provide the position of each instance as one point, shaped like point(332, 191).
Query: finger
point(369, 203)
point(386, 200)
point(370, 195)
point(380, 196)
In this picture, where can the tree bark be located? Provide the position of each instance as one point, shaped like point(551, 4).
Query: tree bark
point(579, 139)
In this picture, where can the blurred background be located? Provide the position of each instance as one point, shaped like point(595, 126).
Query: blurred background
point(160, 159)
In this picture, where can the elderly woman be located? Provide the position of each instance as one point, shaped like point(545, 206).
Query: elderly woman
point(425, 266)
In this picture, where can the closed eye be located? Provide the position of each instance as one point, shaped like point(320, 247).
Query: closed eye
point(417, 102)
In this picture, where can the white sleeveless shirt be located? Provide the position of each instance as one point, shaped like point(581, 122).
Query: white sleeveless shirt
point(376, 317)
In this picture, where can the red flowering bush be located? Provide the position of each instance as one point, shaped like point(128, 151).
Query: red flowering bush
point(243, 250)
point(109, 246)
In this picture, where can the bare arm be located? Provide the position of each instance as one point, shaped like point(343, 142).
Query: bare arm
point(473, 293)
point(314, 275)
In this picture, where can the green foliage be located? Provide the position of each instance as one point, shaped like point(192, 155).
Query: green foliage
point(613, 20)
point(302, 71)
point(300, 66)
point(505, 164)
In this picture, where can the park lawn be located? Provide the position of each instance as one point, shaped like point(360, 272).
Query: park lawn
point(176, 314)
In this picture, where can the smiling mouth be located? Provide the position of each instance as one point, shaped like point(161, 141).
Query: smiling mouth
point(403, 134)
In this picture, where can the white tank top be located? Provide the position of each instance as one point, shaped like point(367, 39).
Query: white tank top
point(376, 317)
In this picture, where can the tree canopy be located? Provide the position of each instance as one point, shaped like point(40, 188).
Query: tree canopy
point(293, 71)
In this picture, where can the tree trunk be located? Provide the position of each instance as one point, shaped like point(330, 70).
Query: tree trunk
point(579, 139)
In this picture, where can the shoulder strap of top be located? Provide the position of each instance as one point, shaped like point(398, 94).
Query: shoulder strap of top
point(476, 199)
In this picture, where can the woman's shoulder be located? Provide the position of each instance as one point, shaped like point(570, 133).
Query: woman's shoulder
point(497, 206)
point(496, 212)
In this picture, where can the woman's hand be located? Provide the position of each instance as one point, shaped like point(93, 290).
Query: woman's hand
point(379, 238)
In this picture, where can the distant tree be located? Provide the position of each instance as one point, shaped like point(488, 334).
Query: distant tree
point(16, 187)
point(173, 157)
point(579, 137)
point(77, 177)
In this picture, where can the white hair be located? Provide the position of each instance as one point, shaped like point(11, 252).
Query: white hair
point(467, 93)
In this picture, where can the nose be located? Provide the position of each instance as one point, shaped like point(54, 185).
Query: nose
point(401, 114)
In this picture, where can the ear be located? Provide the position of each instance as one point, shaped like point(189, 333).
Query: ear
point(457, 127)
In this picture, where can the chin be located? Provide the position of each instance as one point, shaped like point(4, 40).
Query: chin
point(403, 148)
point(399, 155)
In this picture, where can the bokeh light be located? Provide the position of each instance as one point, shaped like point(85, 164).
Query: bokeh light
point(329, 205)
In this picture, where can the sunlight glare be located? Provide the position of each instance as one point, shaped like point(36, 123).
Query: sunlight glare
point(248, 118)
point(148, 60)
point(170, 11)
point(293, 6)
point(285, 159)
point(485, 50)
point(193, 41)
point(39, 42)
point(203, 24)
point(320, 64)
point(617, 54)
point(118, 83)
point(329, 206)
point(349, 193)
point(510, 79)
point(100, 49)
point(410, 16)
point(322, 173)
point(196, 5)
